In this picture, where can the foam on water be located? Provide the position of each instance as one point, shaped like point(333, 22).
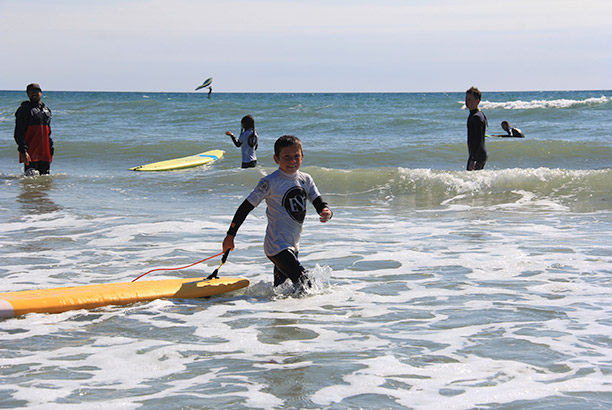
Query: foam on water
point(543, 104)
point(437, 313)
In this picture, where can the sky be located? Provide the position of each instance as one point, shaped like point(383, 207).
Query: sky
point(306, 45)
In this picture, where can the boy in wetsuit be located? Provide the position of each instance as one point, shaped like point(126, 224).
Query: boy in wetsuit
point(286, 191)
point(476, 129)
point(512, 132)
point(33, 133)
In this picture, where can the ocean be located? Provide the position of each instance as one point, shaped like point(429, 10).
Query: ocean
point(434, 288)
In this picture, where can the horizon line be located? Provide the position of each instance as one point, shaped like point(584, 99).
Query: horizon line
point(315, 92)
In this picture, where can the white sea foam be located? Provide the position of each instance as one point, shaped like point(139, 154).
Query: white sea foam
point(418, 326)
point(542, 104)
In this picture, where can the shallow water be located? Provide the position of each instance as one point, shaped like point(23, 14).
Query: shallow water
point(434, 287)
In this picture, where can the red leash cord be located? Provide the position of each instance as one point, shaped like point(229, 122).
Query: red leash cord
point(183, 267)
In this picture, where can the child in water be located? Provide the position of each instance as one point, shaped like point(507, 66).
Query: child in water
point(476, 131)
point(286, 192)
point(248, 140)
point(512, 132)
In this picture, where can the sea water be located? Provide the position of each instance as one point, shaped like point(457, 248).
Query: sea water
point(433, 287)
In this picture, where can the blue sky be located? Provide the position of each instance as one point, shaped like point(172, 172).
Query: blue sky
point(306, 46)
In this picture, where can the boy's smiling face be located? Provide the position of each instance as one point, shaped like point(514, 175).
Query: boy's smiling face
point(290, 159)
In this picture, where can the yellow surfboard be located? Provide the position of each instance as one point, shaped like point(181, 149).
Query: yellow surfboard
point(57, 300)
point(203, 158)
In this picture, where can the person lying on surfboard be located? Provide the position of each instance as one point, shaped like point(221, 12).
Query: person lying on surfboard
point(248, 140)
point(286, 192)
point(512, 132)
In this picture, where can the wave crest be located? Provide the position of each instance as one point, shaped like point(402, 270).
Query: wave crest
point(427, 188)
point(543, 104)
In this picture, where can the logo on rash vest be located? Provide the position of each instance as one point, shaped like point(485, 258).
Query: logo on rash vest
point(294, 202)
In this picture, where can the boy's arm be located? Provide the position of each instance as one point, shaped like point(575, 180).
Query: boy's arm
point(325, 214)
point(239, 217)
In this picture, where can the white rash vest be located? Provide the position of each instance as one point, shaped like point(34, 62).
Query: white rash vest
point(286, 196)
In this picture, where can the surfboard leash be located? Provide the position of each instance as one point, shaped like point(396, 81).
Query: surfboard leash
point(223, 259)
point(189, 266)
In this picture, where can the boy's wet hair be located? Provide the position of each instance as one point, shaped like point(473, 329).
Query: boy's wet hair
point(286, 141)
point(505, 122)
point(475, 92)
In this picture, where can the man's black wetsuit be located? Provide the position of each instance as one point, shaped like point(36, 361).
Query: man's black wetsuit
point(476, 129)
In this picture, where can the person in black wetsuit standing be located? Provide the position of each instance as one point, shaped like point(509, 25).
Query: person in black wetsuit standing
point(476, 129)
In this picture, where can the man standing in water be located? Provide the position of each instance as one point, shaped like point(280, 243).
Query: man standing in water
point(33, 133)
point(476, 128)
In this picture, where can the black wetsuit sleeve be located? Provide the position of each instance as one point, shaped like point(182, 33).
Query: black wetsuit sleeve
point(21, 125)
point(241, 213)
point(236, 142)
point(319, 204)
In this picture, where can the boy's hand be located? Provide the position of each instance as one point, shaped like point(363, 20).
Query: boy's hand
point(325, 215)
point(228, 243)
point(229, 133)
